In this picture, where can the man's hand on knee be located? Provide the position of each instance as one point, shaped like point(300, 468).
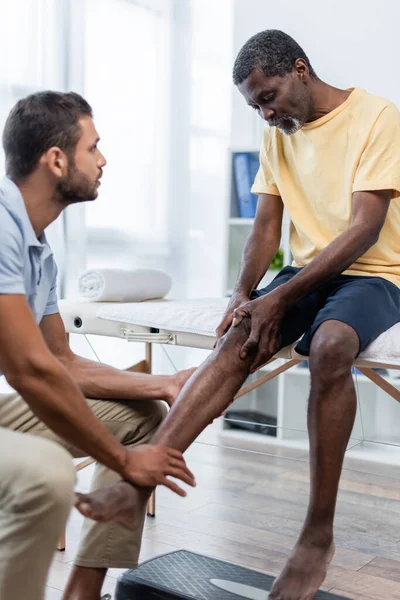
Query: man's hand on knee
point(264, 340)
point(238, 299)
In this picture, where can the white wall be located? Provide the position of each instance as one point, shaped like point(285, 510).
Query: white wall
point(349, 43)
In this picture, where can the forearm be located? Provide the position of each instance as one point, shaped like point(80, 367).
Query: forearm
point(97, 380)
point(257, 257)
point(58, 402)
point(332, 261)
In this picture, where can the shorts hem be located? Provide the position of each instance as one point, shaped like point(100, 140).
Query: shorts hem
point(313, 330)
point(106, 564)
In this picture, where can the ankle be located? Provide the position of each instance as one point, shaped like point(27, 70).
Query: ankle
point(143, 493)
point(84, 584)
point(320, 535)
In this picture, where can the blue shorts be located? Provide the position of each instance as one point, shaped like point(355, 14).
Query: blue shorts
point(370, 305)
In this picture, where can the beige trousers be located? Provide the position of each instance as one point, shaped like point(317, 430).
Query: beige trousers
point(36, 494)
point(131, 422)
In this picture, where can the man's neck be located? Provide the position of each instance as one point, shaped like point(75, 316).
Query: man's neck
point(39, 202)
point(326, 98)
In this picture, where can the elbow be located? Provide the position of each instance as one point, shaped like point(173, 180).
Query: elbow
point(67, 359)
point(373, 237)
point(367, 238)
point(376, 237)
point(269, 238)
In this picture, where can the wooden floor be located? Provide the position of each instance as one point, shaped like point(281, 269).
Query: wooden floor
point(248, 509)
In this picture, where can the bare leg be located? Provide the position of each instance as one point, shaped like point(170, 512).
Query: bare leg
point(207, 393)
point(84, 583)
point(331, 414)
point(176, 383)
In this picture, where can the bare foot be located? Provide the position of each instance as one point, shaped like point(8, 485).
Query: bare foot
point(120, 503)
point(304, 571)
point(176, 383)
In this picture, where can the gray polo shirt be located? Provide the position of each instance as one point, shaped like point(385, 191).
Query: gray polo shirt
point(26, 263)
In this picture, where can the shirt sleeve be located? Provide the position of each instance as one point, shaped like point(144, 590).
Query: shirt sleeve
point(264, 182)
point(379, 166)
point(52, 302)
point(11, 255)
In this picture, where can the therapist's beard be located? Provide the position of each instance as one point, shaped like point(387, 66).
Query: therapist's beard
point(76, 187)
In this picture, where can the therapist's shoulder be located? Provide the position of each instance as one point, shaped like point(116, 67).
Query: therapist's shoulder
point(11, 236)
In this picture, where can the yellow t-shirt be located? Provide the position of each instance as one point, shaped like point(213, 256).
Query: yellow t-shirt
point(355, 147)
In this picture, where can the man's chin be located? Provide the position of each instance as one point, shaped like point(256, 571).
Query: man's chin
point(78, 199)
point(288, 125)
point(292, 129)
point(88, 196)
point(93, 196)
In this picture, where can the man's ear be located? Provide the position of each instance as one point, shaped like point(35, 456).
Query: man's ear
point(56, 161)
point(301, 68)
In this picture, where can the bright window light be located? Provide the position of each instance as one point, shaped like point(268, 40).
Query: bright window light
point(127, 58)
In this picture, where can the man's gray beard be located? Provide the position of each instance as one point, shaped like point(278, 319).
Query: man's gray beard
point(287, 125)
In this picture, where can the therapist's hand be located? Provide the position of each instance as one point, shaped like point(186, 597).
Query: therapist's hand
point(148, 466)
point(237, 300)
point(264, 340)
point(174, 384)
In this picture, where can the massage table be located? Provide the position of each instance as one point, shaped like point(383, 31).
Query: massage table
point(192, 323)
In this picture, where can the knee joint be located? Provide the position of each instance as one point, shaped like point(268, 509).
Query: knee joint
point(235, 337)
point(330, 355)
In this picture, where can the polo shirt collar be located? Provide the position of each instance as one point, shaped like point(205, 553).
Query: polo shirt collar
point(16, 206)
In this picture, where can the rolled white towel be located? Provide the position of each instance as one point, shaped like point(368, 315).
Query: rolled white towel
point(118, 285)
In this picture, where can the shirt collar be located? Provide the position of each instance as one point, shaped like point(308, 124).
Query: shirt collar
point(15, 204)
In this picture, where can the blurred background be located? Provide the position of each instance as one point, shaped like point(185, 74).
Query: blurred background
point(158, 75)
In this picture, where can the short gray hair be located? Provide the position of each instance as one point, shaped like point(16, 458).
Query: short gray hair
point(273, 51)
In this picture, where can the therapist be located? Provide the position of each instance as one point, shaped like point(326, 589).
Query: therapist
point(52, 161)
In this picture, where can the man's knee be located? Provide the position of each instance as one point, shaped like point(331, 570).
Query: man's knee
point(333, 349)
point(234, 338)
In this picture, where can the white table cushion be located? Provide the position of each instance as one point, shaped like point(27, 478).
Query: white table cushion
point(199, 316)
point(202, 316)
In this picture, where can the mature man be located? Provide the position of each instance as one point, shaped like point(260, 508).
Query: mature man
point(53, 160)
point(332, 157)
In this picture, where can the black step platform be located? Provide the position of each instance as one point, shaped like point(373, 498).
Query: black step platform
point(191, 576)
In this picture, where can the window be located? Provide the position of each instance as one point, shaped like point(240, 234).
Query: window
point(31, 50)
point(127, 82)
point(33, 57)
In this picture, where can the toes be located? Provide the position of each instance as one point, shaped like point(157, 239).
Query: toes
point(109, 506)
point(88, 507)
point(83, 504)
point(84, 508)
